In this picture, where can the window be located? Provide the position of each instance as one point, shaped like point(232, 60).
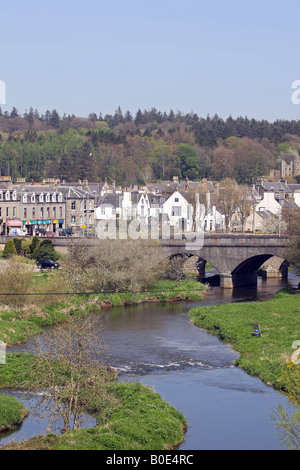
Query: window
point(7, 212)
point(41, 198)
point(14, 195)
point(73, 205)
point(48, 212)
point(73, 220)
point(59, 197)
point(54, 212)
point(33, 197)
point(53, 197)
point(1, 195)
point(33, 212)
point(7, 195)
point(14, 211)
point(176, 199)
point(176, 211)
point(60, 211)
point(48, 197)
point(25, 197)
point(0, 211)
point(25, 213)
point(42, 212)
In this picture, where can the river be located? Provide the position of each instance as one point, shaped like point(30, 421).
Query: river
point(157, 345)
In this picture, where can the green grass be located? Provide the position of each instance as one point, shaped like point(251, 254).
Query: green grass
point(139, 420)
point(17, 325)
point(12, 412)
point(266, 356)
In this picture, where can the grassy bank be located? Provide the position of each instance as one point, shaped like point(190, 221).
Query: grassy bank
point(142, 421)
point(47, 309)
point(267, 356)
point(139, 419)
point(12, 413)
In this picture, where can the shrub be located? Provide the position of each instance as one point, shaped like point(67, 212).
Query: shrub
point(17, 243)
point(9, 249)
point(46, 250)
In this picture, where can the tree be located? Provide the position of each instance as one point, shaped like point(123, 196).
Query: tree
point(291, 217)
point(114, 265)
point(228, 199)
point(70, 367)
point(46, 250)
point(244, 205)
point(189, 161)
point(15, 280)
point(9, 249)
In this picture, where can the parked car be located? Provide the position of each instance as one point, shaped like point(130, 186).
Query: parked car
point(40, 231)
point(47, 264)
point(49, 234)
point(65, 232)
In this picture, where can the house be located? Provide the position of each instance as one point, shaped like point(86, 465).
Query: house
point(179, 211)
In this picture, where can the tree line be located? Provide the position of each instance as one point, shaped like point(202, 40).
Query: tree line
point(148, 146)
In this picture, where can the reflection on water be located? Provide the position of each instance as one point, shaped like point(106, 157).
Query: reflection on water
point(40, 420)
point(157, 345)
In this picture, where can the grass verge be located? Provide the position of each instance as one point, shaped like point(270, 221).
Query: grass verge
point(267, 356)
point(140, 419)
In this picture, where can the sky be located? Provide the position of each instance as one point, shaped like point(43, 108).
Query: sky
point(218, 57)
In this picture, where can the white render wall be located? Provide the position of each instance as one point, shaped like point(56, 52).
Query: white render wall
point(269, 203)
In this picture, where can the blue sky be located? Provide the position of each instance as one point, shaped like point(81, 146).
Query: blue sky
point(226, 57)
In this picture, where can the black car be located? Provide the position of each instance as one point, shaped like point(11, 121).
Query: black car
point(47, 264)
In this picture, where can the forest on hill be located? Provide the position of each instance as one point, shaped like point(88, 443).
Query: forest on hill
point(149, 146)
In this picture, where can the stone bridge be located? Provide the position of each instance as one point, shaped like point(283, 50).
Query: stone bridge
point(237, 257)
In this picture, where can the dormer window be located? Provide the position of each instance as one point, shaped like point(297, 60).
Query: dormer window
point(1, 195)
point(33, 197)
point(41, 198)
point(14, 195)
point(59, 197)
point(25, 197)
point(48, 197)
point(53, 197)
point(7, 195)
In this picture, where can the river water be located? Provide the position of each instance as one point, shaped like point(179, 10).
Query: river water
point(157, 345)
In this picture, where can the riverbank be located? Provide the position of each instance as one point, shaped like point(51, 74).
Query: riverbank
point(130, 426)
point(16, 325)
point(267, 356)
point(12, 413)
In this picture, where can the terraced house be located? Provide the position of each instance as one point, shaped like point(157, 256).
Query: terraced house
point(27, 209)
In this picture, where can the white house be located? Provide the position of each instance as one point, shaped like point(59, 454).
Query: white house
point(178, 209)
point(269, 203)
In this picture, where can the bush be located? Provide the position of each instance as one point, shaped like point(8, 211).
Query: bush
point(45, 250)
point(9, 249)
point(17, 243)
point(34, 246)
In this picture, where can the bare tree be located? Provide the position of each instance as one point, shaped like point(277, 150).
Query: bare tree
point(70, 368)
point(245, 205)
point(229, 199)
point(115, 265)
